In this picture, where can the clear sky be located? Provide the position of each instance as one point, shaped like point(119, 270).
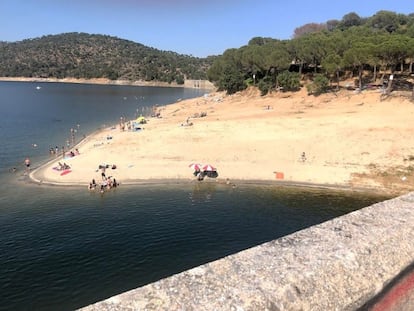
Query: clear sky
point(198, 28)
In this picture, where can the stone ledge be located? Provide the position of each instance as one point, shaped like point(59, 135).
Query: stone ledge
point(337, 265)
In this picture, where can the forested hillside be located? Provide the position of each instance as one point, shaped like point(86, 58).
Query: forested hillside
point(81, 55)
point(368, 49)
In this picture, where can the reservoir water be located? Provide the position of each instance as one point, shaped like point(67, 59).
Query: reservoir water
point(62, 248)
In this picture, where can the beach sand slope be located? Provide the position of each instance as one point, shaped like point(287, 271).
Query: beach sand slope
point(349, 139)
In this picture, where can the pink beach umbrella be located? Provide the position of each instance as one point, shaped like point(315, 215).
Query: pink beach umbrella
point(195, 166)
point(209, 168)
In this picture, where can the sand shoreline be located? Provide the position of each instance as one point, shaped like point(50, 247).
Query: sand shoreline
point(352, 141)
point(33, 176)
point(40, 171)
point(233, 183)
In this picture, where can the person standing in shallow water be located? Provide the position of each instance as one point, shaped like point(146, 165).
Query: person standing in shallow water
point(27, 164)
point(103, 173)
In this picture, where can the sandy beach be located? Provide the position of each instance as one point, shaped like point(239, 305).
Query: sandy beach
point(350, 140)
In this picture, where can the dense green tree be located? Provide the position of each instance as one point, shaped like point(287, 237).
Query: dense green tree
point(232, 80)
point(319, 85)
point(179, 79)
point(332, 64)
point(350, 20)
point(259, 41)
point(289, 81)
point(394, 51)
point(253, 60)
point(276, 57)
point(311, 49)
point(410, 53)
point(265, 85)
point(385, 20)
point(410, 31)
point(357, 56)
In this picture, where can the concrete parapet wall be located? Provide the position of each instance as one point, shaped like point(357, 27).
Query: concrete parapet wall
point(338, 265)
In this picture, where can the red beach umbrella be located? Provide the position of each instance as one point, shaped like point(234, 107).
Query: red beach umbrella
point(209, 168)
point(195, 166)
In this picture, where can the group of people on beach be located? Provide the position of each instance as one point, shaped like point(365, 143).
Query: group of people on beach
point(62, 167)
point(56, 151)
point(67, 152)
point(73, 153)
point(199, 174)
point(107, 183)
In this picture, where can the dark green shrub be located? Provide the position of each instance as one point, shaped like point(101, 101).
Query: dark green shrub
point(289, 81)
point(265, 85)
point(319, 85)
point(231, 81)
point(179, 79)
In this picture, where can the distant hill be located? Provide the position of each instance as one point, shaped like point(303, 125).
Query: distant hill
point(89, 56)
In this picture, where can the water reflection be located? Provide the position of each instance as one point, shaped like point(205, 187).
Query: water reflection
point(203, 192)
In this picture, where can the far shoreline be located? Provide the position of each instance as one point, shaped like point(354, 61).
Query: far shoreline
point(195, 84)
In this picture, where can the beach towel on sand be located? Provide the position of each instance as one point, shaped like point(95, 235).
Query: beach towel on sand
point(65, 172)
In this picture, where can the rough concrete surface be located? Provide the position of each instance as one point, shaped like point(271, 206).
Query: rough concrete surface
point(337, 265)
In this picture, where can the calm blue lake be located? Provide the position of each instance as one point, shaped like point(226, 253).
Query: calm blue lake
point(62, 248)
